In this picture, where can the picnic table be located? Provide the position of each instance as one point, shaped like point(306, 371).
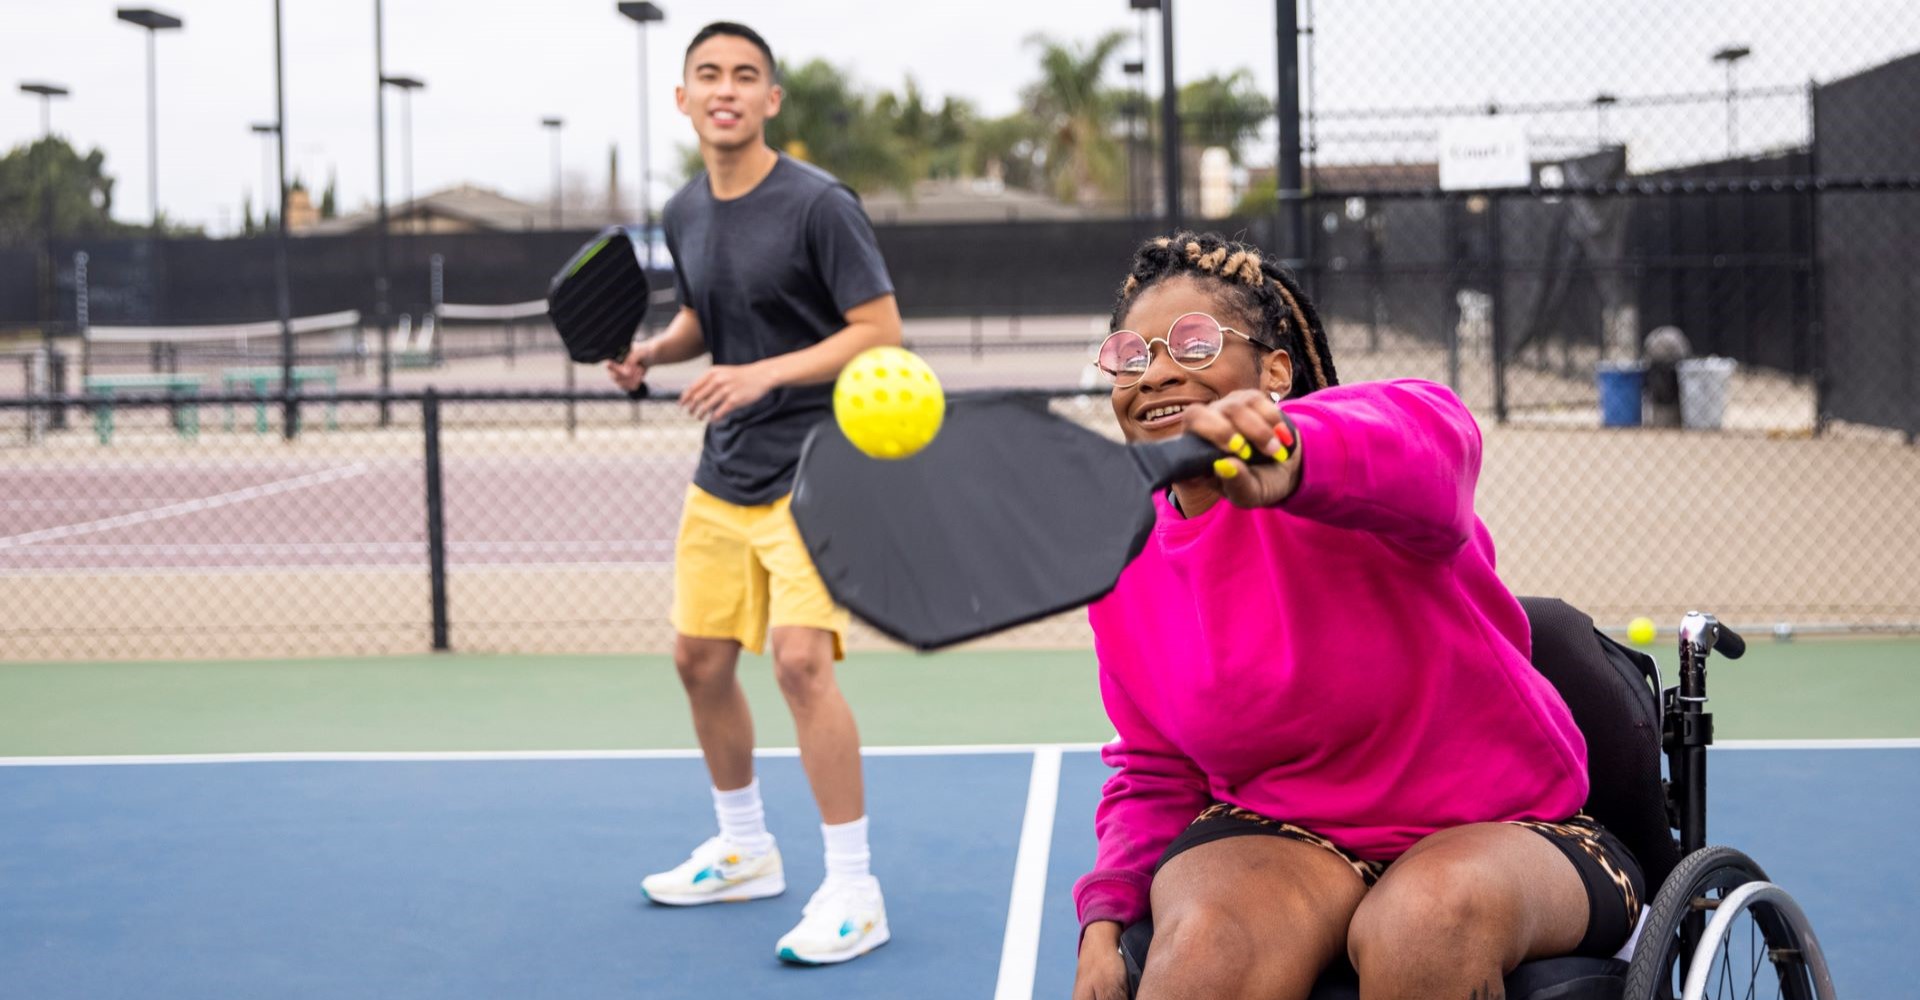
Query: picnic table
point(186, 418)
point(265, 377)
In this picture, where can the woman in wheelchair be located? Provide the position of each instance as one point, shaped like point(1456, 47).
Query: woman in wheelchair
point(1331, 743)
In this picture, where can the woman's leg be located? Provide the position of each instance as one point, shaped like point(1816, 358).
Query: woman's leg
point(1461, 909)
point(1255, 917)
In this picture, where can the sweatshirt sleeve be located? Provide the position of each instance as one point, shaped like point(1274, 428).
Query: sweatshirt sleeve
point(1399, 459)
point(1155, 792)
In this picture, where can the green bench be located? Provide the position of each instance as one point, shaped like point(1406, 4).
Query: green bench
point(186, 418)
point(266, 377)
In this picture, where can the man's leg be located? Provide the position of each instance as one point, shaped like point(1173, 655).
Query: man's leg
point(721, 719)
point(716, 587)
point(829, 738)
point(846, 918)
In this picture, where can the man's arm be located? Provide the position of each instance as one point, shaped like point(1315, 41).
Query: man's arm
point(725, 388)
point(680, 341)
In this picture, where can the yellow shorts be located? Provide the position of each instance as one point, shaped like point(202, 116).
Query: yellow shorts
point(738, 571)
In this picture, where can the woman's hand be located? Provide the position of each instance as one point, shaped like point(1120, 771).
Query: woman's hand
point(1241, 423)
point(1102, 974)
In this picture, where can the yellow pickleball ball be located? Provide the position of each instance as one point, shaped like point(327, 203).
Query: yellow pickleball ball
point(1641, 631)
point(888, 402)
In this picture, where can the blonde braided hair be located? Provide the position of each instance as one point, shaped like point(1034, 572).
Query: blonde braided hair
point(1255, 285)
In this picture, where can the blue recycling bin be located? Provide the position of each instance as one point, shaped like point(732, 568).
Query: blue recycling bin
point(1621, 383)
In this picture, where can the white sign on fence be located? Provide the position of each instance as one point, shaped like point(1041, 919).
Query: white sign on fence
point(1486, 152)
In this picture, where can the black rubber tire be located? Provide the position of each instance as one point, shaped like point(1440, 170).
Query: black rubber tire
point(1710, 872)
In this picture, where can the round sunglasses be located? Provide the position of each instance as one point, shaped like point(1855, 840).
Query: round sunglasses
point(1193, 341)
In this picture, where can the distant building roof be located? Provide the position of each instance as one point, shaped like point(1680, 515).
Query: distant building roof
point(966, 200)
point(468, 206)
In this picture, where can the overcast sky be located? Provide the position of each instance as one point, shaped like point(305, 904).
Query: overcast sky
point(495, 67)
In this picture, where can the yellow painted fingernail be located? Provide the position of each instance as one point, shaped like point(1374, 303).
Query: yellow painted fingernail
point(1280, 455)
point(1237, 442)
point(1245, 452)
point(1225, 469)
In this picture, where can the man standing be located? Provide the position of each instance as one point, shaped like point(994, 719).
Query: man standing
point(781, 280)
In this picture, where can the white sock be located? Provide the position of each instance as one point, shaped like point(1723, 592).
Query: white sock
point(847, 854)
point(743, 821)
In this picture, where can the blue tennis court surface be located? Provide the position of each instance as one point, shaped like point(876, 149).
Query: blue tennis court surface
point(519, 877)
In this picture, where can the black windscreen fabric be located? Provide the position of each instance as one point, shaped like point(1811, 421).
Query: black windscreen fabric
point(1611, 691)
point(598, 299)
point(1011, 514)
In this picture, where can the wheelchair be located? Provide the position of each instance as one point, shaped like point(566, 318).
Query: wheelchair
point(1716, 927)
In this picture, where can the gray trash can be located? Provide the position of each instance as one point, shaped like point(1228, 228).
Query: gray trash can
point(1704, 384)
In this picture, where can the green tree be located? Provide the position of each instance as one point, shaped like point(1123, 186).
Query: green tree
point(48, 180)
point(831, 124)
point(1223, 111)
point(934, 142)
point(1083, 161)
point(328, 207)
point(1013, 143)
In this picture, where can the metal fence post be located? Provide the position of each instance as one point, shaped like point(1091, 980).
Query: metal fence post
point(436, 519)
point(1496, 280)
point(1816, 304)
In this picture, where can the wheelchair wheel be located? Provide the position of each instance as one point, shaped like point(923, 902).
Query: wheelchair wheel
point(1758, 943)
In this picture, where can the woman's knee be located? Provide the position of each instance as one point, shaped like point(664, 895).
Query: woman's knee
point(1201, 940)
point(1435, 914)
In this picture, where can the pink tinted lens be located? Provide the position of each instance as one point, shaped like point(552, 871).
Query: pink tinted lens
point(1195, 339)
point(1123, 352)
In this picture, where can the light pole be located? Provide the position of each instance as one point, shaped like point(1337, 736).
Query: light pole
point(1136, 71)
point(155, 22)
point(266, 131)
point(383, 277)
point(1601, 102)
point(553, 125)
point(282, 284)
point(641, 14)
point(407, 85)
point(1288, 186)
point(1169, 109)
point(47, 92)
point(1731, 55)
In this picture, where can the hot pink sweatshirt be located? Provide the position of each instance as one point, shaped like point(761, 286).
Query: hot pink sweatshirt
point(1347, 661)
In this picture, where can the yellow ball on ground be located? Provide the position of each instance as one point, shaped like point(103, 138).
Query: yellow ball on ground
point(888, 402)
point(1641, 631)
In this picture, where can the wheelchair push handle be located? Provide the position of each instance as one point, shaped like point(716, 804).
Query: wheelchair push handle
point(1704, 632)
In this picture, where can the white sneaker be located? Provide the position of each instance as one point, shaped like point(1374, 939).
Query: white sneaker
point(718, 872)
point(843, 920)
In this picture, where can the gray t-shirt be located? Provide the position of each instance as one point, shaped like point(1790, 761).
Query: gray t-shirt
point(768, 273)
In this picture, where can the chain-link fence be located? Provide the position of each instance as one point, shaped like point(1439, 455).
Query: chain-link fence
point(1689, 324)
point(538, 521)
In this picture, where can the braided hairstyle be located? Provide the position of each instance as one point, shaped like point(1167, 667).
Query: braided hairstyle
point(1247, 281)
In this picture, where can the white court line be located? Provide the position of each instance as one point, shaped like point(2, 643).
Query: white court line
point(283, 549)
point(1020, 949)
point(929, 750)
point(188, 507)
point(406, 756)
point(1863, 744)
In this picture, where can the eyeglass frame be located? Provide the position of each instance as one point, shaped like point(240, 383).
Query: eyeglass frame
point(1167, 342)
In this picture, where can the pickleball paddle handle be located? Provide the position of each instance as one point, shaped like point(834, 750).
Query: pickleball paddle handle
point(639, 392)
point(1167, 462)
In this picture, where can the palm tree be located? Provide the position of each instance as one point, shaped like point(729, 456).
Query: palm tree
point(1223, 111)
point(1075, 114)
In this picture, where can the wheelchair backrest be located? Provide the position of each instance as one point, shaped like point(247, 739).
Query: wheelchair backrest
point(1613, 693)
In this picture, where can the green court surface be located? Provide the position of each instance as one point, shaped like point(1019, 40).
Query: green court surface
point(1810, 689)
